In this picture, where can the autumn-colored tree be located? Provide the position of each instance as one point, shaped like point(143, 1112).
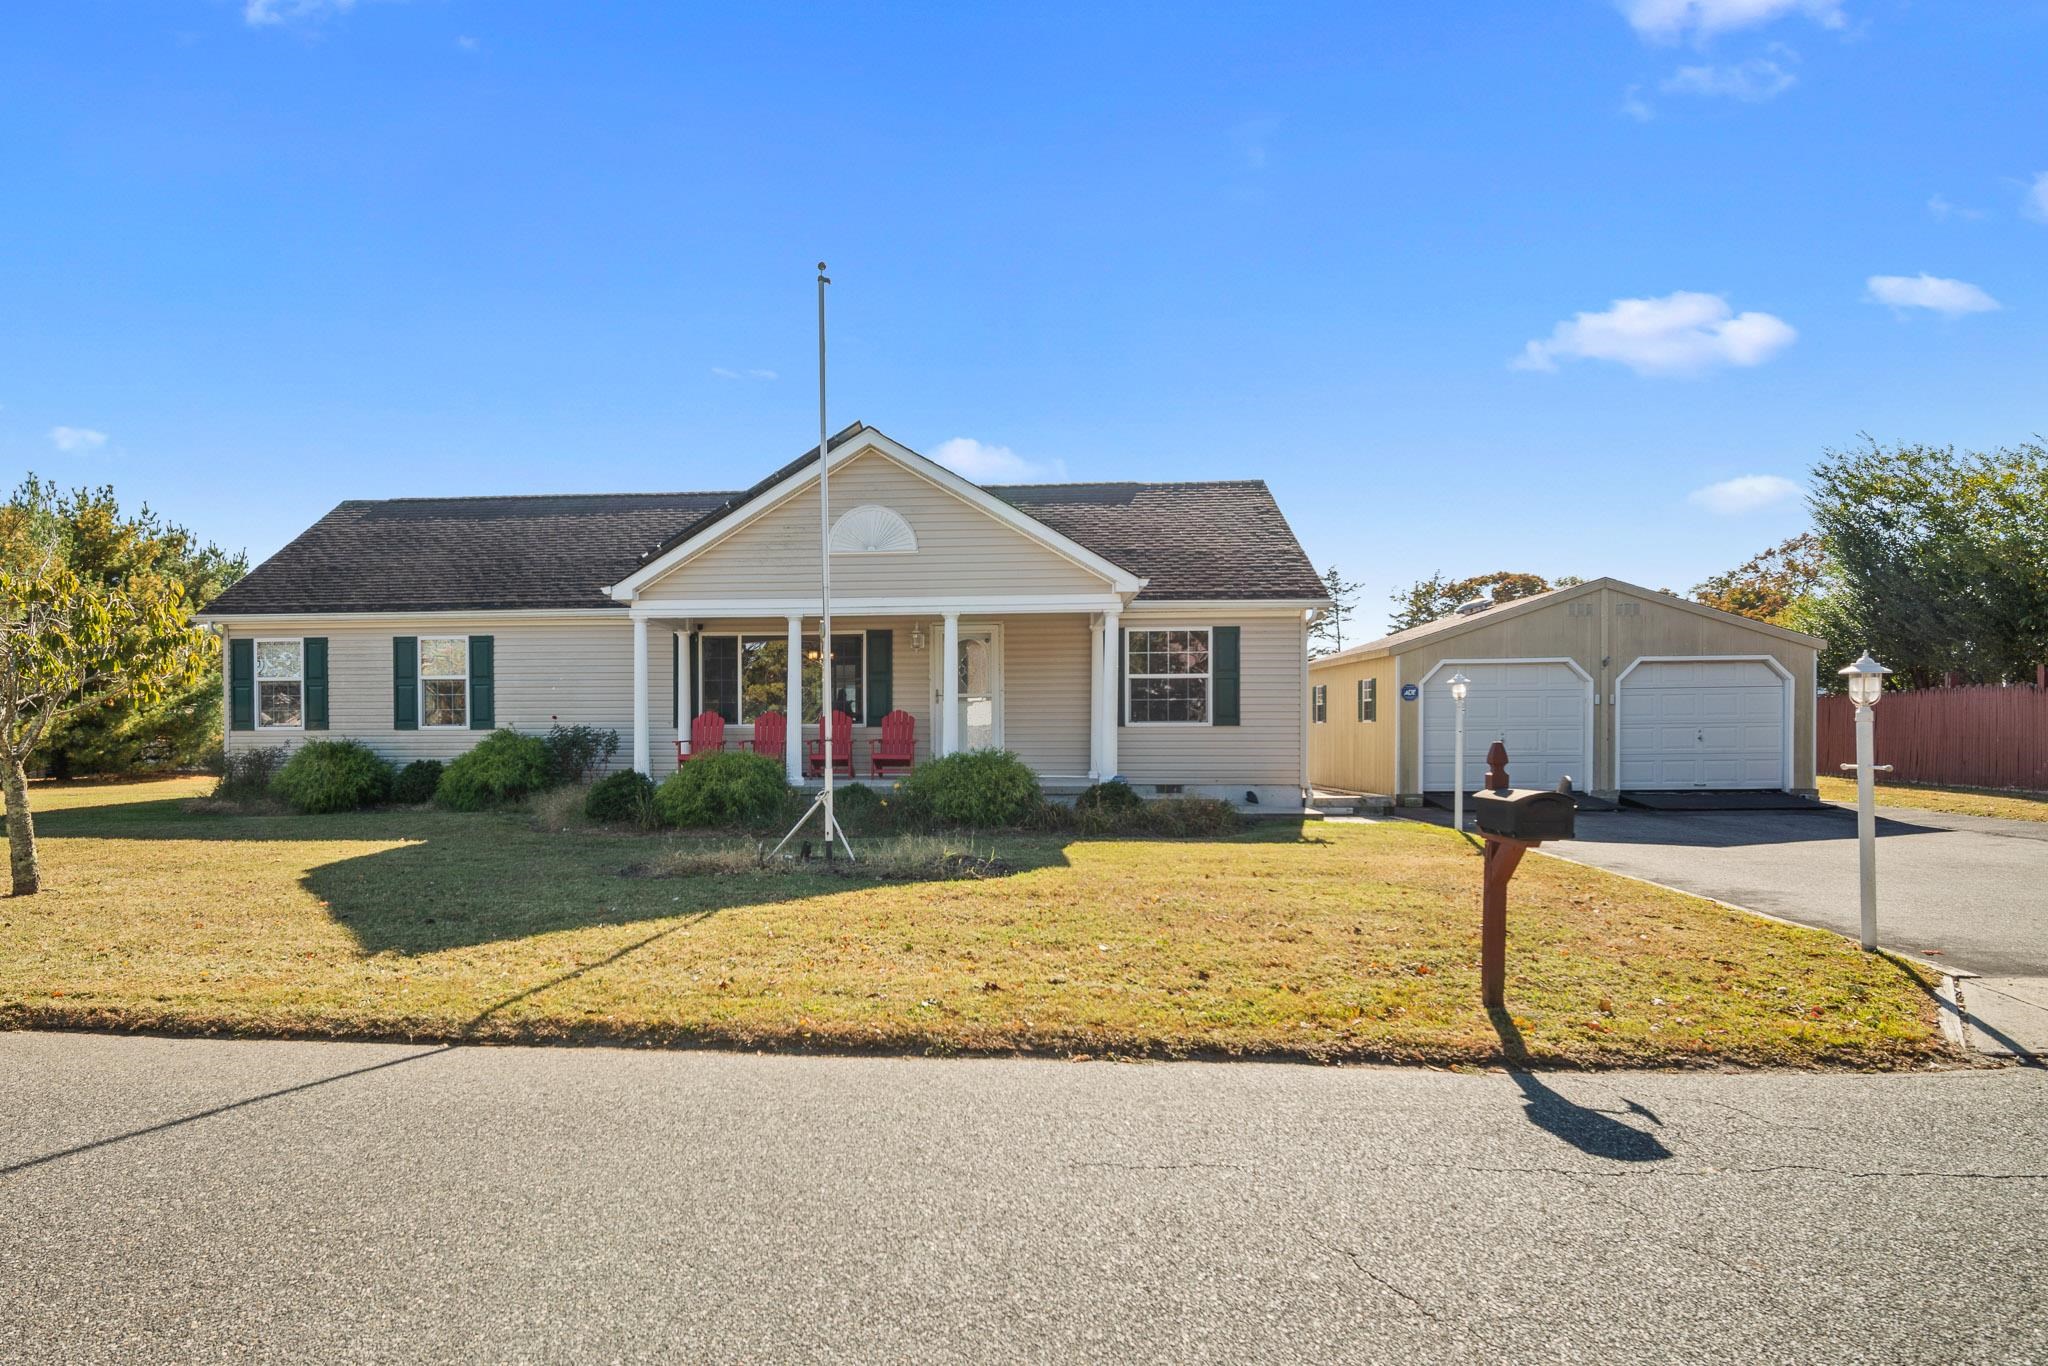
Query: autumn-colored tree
point(1327, 635)
point(1436, 596)
point(1773, 586)
point(70, 640)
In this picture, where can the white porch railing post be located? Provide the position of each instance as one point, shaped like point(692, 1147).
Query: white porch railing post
point(793, 744)
point(949, 687)
point(682, 698)
point(642, 753)
point(1112, 646)
point(1096, 709)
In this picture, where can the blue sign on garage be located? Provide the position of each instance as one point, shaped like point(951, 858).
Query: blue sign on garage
point(1410, 691)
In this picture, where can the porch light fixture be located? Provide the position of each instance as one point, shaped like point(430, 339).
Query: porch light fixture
point(917, 637)
point(1865, 680)
point(1460, 686)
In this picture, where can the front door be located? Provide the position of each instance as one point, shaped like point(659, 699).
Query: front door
point(980, 673)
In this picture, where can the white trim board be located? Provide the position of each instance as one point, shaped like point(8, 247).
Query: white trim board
point(875, 606)
point(866, 440)
point(1788, 717)
point(1422, 700)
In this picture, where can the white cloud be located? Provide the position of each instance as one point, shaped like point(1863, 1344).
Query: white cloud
point(1668, 21)
point(1635, 106)
point(1752, 82)
point(2035, 205)
point(265, 13)
point(1680, 334)
point(465, 43)
point(76, 440)
point(724, 373)
point(1748, 493)
point(994, 464)
point(1952, 297)
point(1939, 206)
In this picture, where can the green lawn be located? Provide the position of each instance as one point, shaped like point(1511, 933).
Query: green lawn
point(1329, 942)
point(1959, 801)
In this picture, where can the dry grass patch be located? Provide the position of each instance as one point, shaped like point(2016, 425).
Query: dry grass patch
point(1955, 801)
point(1329, 942)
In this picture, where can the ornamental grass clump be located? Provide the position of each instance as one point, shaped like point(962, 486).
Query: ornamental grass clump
point(504, 767)
point(723, 789)
point(415, 783)
point(246, 774)
point(333, 775)
point(982, 788)
point(621, 799)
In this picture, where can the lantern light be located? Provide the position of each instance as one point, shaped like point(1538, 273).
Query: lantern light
point(1865, 679)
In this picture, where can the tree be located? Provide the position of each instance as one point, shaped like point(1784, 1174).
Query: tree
point(124, 734)
point(1436, 597)
point(1327, 635)
point(1775, 586)
point(1937, 560)
point(72, 640)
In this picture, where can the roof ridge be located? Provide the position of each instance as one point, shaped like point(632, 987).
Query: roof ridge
point(1136, 484)
point(536, 497)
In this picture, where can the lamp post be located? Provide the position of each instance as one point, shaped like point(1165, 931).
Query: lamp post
point(1866, 686)
point(1460, 686)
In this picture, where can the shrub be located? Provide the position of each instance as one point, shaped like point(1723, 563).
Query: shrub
point(503, 767)
point(246, 775)
point(861, 809)
point(1116, 795)
point(982, 787)
point(726, 788)
point(416, 782)
point(577, 753)
point(621, 799)
point(333, 775)
point(1188, 817)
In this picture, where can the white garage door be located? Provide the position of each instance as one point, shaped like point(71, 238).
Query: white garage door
point(1539, 711)
point(1717, 723)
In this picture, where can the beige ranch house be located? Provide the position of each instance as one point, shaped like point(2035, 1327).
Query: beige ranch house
point(1153, 631)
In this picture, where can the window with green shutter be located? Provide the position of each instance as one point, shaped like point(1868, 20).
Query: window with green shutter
point(315, 661)
point(241, 685)
point(405, 682)
point(1368, 699)
point(483, 683)
point(881, 667)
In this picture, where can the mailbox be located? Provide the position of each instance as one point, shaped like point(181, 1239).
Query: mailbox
point(1526, 814)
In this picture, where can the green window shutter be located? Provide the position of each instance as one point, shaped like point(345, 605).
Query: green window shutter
point(1223, 675)
point(881, 675)
point(483, 683)
point(241, 685)
point(1123, 664)
point(315, 658)
point(405, 682)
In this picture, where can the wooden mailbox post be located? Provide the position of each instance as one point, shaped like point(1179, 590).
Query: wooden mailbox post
point(1513, 823)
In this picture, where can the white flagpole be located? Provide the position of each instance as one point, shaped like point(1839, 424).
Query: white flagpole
point(825, 698)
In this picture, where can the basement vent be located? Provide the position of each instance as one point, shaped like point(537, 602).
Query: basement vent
point(1166, 789)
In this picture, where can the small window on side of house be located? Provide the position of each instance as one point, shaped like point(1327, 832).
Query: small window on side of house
point(1320, 698)
point(444, 682)
point(1368, 699)
point(280, 684)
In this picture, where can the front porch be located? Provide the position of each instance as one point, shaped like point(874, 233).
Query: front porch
point(1039, 681)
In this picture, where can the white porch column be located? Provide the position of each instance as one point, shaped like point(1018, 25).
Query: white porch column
point(1112, 650)
point(793, 746)
point(949, 687)
point(1096, 710)
point(642, 755)
point(683, 663)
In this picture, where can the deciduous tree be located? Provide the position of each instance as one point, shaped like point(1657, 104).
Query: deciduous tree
point(1775, 585)
point(1436, 596)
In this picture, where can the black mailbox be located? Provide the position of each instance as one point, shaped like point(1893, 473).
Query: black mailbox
point(1525, 814)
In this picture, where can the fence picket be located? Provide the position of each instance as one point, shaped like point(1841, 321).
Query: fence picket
point(1958, 737)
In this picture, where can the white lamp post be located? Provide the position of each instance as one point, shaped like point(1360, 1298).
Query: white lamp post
point(1460, 685)
point(1866, 686)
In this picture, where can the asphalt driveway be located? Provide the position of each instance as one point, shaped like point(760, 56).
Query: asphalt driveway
point(1967, 892)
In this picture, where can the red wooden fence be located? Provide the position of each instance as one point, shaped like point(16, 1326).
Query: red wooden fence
point(1957, 737)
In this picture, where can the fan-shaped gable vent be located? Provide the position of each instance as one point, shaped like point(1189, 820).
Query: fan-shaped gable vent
point(871, 529)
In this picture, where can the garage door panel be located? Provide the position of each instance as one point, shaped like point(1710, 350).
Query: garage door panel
point(1702, 723)
point(1537, 710)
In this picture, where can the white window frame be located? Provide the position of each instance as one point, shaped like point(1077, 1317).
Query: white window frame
point(257, 680)
point(1368, 701)
point(1319, 703)
point(1208, 676)
point(740, 663)
point(420, 683)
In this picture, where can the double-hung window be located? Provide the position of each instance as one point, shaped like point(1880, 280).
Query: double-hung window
point(1319, 702)
point(280, 684)
point(1368, 699)
point(444, 681)
point(1166, 674)
point(745, 676)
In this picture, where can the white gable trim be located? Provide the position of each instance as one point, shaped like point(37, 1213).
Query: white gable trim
point(868, 439)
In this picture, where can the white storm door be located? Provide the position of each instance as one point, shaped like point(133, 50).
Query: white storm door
point(981, 687)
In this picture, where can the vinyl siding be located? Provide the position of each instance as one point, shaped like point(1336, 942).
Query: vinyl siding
point(1347, 754)
point(1046, 692)
point(960, 548)
point(1264, 749)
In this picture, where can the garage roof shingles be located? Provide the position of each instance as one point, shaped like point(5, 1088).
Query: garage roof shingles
point(1224, 540)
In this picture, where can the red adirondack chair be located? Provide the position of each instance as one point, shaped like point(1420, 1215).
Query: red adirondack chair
point(898, 745)
point(771, 733)
point(842, 746)
point(707, 736)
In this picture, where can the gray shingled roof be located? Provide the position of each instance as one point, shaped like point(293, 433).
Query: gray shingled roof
point(1218, 540)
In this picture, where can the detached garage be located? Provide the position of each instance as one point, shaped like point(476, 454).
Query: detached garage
point(1619, 688)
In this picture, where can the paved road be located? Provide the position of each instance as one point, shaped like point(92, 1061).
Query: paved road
point(202, 1200)
point(1971, 893)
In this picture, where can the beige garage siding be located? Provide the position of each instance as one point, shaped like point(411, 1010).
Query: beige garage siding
point(1345, 753)
point(1264, 749)
point(960, 548)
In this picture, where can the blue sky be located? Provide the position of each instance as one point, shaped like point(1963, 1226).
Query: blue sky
point(263, 255)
